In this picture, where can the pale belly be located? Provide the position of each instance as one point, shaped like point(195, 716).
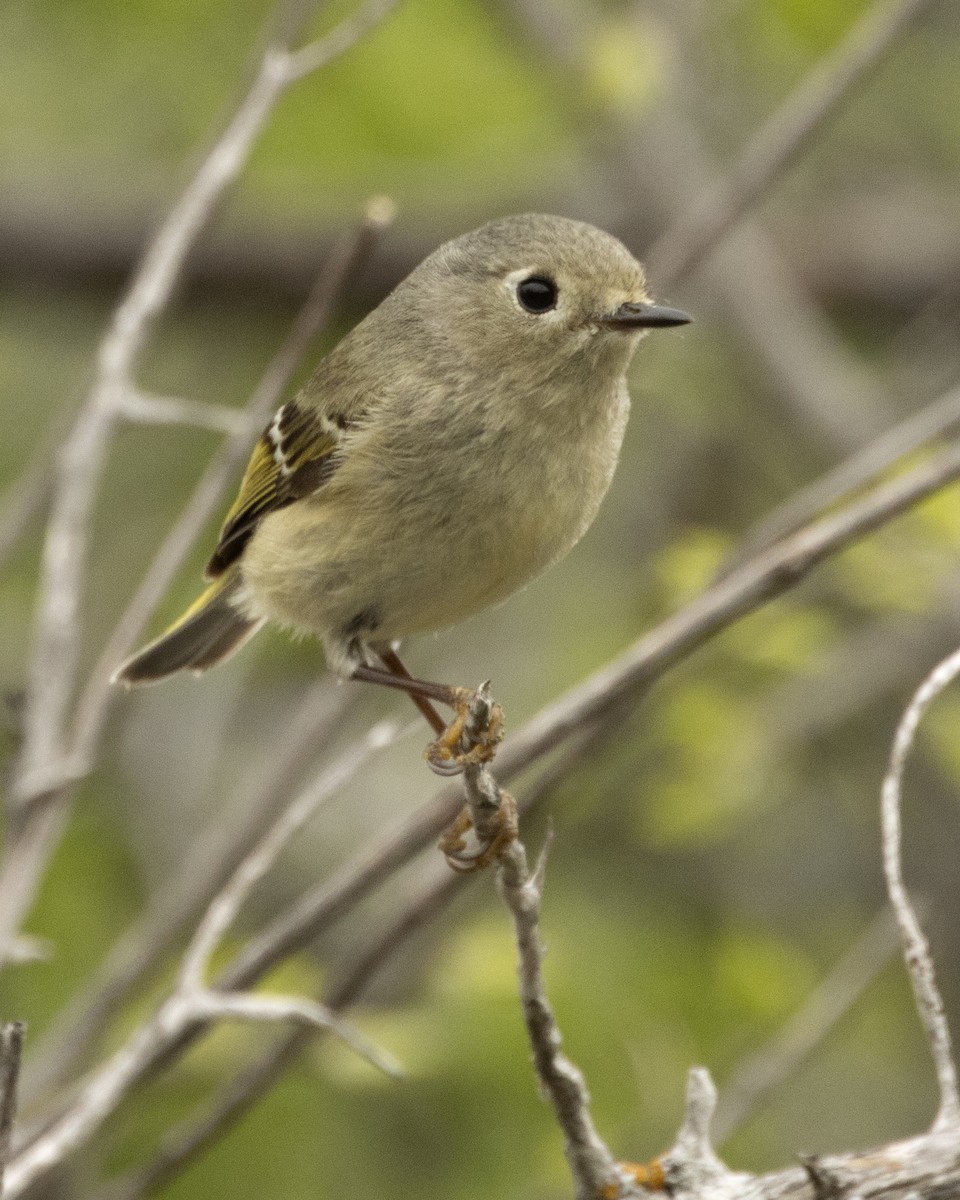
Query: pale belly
point(416, 552)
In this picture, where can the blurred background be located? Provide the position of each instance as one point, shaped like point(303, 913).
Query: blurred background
point(720, 855)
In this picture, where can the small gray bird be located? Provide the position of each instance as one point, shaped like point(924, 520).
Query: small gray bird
point(455, 443)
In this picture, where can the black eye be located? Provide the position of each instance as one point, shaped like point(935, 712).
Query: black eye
point(537, 294)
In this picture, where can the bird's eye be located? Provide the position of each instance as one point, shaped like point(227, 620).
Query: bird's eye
point(537, 294)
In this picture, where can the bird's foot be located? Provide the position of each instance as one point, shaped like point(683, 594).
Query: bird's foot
point(464, 857)
point(472, 737)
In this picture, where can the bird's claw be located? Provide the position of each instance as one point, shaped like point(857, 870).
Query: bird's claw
point(453, 844)
point(467, 742)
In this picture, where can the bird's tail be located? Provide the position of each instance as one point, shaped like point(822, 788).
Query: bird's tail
point(210, 630)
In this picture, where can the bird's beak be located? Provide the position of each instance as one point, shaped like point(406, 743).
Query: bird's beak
point(638, 315)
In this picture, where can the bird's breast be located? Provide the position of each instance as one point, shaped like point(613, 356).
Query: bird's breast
point(430, 520)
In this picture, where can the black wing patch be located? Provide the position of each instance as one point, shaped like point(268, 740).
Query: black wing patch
point(296, 454)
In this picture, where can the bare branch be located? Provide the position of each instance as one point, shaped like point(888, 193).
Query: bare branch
point(224, 908)
point(210, 1006)
point(857, 470)
point(781, 139)
point(916, 950)
point(593, 1166)
point(53, 663)
point(191, 1004)
point(11, 1050)
point(143, 408)
point(26, 856)
point(229, 837)
point(760, 1072)
point(338, 41)
point(345, 260)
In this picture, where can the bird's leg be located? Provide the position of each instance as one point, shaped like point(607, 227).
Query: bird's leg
point(452, 751)
point(398, 672)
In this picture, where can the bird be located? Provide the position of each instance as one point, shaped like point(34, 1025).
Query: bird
point(454, 444)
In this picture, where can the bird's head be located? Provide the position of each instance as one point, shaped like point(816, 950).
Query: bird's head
point(536, 296)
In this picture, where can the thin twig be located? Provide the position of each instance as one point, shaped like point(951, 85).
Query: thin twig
point(218, 849)
point(593, 1167)
point(760, 1072)
point(856, 471)
point(192, 1003)
point(144, 408)
point(345, 260)
point(916, 950)
point(26, 857)
point(436, 889)
point(53, 662)
point(11, 1051)
point(781, 139)
point(493, 817)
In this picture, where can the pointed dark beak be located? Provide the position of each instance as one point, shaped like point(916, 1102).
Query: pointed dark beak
point(635, 315)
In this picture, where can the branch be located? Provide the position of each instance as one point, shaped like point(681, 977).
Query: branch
point(781, 139)
point(916, 950)
point(11, 1050)
point(143, 408)
point(594, 1168)
point(493, 821)
point(862, 467)
point(192, 1004)
point(53, 663)
point(759, 1073)
point(38, 832)
point(230, 835)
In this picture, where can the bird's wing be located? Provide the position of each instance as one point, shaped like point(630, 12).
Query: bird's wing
point(296, 454)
